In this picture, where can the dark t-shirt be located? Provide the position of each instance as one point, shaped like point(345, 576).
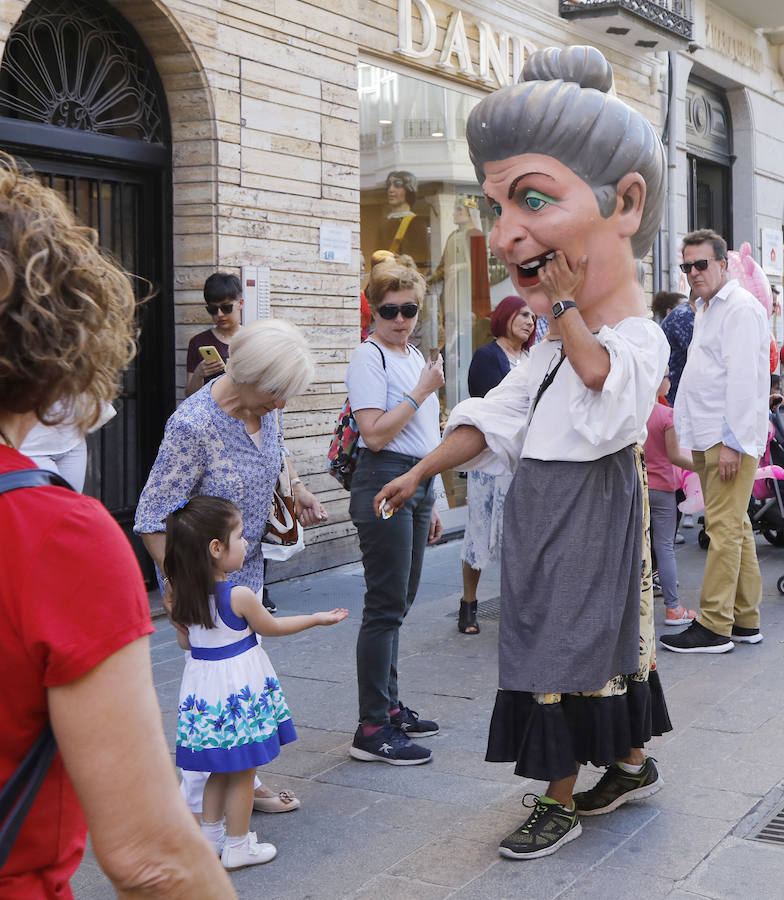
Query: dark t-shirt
point(204, 339)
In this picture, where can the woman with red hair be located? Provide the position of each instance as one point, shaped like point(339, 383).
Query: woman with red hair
point(513, 325)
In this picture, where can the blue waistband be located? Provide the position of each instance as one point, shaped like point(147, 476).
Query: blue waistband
point(227, 651)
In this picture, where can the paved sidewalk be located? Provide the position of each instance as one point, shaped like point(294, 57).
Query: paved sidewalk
point(368, 830)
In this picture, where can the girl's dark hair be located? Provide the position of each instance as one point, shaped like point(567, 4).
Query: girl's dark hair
point(188, 562)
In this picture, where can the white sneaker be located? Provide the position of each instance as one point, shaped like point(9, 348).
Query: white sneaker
point(687, 521)
point(679, 538)
point(250, 853)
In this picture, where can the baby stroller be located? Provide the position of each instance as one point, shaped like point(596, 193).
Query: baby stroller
point(766, 505)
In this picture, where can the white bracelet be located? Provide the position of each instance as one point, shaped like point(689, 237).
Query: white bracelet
point(296, 481)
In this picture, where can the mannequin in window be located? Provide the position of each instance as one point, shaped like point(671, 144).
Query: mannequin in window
point(463, 273)
point(402, 231)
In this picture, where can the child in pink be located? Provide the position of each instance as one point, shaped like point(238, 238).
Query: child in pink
point(662, 454)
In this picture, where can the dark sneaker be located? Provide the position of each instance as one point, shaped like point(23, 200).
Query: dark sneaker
point(268, 604)
point(388, 745)
point(547, 828)
point(617, 786)
point(408, 721)
point(745, 635)
point(696, 639)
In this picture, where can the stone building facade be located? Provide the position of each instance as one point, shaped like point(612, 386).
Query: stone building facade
point(271, 125)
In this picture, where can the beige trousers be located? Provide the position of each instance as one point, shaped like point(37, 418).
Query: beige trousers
point(732, 585)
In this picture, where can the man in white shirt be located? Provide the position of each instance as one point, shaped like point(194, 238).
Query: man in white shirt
point(721, 414)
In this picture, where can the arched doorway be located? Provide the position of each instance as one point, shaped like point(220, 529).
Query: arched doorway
point(709, 154)
point(82, 104)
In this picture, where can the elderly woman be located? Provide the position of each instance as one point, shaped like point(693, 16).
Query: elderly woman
point(74, 617)
point(226, 441)
point(574, 178)
point(392, 390)
point(513, 326)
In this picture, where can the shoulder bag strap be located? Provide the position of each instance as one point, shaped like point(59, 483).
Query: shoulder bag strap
point(383, 358)
point(546, 382)
point(23, 478)
point(18, 793)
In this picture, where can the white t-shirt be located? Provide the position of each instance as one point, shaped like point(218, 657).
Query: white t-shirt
point(371, 386)
point(571, 422)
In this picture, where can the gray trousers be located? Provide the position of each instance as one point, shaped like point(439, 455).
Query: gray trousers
point(392, 552)
point(663, 510)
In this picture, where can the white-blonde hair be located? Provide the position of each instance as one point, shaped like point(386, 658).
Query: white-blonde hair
point(273, 356)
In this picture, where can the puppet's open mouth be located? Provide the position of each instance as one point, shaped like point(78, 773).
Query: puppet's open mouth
point(528, 272)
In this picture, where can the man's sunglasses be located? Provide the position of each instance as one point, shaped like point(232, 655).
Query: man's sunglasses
point(390, 310)
point(225, 308)
point(700, 264)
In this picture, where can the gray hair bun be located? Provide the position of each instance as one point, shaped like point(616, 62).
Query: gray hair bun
point(582, 65)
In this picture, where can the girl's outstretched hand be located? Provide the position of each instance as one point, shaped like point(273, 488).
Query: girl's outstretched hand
point(330, 618)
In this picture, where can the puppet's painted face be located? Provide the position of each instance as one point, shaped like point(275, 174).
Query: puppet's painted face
point(541, 206)
point(396, 193)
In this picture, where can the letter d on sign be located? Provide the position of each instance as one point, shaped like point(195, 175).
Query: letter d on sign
point(405, 28)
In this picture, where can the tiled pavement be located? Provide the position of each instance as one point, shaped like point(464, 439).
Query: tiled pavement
point(366, 830)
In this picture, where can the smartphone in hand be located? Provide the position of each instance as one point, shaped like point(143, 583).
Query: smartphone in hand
point(210, 354)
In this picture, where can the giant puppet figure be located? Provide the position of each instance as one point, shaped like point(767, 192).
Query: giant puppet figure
point(575, 180)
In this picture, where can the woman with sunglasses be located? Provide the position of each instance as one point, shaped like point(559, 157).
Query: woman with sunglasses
point(223, 296)
point(393, 391)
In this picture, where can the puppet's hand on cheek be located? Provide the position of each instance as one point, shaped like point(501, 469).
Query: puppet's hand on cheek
point(558, 279)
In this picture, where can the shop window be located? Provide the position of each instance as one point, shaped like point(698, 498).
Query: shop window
point(416, 129)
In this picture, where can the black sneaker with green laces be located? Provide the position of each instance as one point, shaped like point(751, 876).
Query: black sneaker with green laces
point(547, 828)
point(617, 786)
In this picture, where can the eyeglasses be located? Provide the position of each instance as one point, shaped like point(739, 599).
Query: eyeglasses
point(225, 308)
point(390, 310)
point(700, 264)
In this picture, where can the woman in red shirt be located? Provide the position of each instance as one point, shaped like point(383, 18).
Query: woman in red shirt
point(74, 615)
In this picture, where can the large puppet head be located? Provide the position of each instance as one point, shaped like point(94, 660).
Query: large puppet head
point(560, 146)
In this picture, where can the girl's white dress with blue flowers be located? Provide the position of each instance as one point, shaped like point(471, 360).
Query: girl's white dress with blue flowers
point(232, 714)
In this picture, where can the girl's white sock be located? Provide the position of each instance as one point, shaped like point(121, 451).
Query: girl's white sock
point(234, 841)
point(215, 832)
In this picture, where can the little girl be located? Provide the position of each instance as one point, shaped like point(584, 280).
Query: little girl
point(662, 454)
point(232, 715)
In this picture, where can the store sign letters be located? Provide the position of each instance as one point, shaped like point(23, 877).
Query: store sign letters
point(501, 57)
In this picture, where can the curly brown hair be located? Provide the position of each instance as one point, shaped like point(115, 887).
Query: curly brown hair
point(66, 309)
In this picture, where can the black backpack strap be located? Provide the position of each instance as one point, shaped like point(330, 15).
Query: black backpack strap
point(18, 793)
point(383, 358)
point(22, 478)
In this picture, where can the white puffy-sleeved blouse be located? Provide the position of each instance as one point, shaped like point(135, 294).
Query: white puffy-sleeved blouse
point(571, 422)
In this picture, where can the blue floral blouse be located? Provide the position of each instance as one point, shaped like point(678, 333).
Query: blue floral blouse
point(678, 326)
point(205, 451)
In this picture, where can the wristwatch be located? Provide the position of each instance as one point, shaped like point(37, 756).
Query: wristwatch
point(560, 307)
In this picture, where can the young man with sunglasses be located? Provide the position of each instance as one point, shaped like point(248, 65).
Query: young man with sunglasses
point(721, 415)
point(223, 298)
